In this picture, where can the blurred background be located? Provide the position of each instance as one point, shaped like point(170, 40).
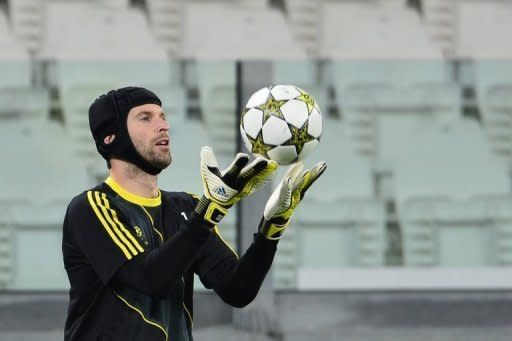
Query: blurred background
point(407, 236)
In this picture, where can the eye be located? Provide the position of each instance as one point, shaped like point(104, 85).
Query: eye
point(144, 118)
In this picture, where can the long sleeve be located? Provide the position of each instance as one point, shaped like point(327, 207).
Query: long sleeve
point(154, 273)
point(236, 280)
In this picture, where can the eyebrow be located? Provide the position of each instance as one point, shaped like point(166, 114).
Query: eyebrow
point(146, 112)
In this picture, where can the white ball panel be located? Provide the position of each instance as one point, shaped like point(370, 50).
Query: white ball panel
point(295, 112)
point(284, 92)
point(246, 140)
point(275, 131)
point(315, 124)
point(308, 148)
point(258, 98)
point(283, 155)
point(252, 121)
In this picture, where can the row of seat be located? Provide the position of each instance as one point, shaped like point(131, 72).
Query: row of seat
point(321, 29)
point(448, 188)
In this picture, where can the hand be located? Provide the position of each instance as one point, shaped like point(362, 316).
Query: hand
point(285, 198)
point(224, 189)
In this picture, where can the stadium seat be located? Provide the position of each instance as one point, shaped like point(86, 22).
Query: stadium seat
point(95, 49)
point(216, 81)
point(489, 39)
point(365, 42)
point(26, 103)
point(28, 20)
point(256, 28)
point(493, 87)
point(14, 60)
point(49, 175)
point(339, 223)
point(382, 89)
point(440, 20)
point(166, 19)
point(304, 20)
point(443, 181)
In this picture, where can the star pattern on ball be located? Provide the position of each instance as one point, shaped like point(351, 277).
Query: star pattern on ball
point(272, 108)
point(258, 146)
point(306, 98)
point(299, 137)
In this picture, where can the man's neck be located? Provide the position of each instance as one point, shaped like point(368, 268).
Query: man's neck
point(133, 179)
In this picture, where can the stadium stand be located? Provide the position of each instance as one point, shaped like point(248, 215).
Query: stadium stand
point(166, 18)
point(258, 26)
point(216, 80)
point(381, 90)
point(304, 74)
point(488, 51)
point(27, 21)
point(393, 89)
point(18, 99)
point(14, 60)
point(493, 91)
point(489, 39)
point(32, 206)
point(92, 56)
point(440, 20)
point(446, 194)
point(348, 224)
point(303, 20)
point(413, 210)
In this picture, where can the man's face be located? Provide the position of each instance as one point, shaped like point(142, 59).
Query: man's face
point(148, 131)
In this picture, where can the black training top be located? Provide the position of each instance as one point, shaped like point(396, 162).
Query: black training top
point(113, 240)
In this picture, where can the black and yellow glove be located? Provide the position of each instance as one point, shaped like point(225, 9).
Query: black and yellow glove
point(224, 189)
point(285, 198)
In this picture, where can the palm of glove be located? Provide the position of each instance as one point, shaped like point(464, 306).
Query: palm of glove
point(286, 197)
point(223, 189)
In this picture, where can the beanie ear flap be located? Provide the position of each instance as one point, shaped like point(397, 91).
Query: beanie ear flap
point(103, 118)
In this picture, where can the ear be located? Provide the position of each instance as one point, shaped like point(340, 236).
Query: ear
point(109, 139)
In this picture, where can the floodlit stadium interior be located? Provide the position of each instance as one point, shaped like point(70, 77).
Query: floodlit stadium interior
point(407, 236)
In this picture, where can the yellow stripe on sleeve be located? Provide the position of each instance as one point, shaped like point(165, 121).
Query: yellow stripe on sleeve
point(116, 230)
point(106, 226)
point(121, 226)
point(216, 229)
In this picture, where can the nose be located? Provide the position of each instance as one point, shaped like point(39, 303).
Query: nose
point(163, 125)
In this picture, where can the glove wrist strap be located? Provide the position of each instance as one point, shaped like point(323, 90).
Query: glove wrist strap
point(274, 228)
point(210, 211)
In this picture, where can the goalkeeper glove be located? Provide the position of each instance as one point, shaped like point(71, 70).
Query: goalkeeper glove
point(224, 189)
point(285, 198)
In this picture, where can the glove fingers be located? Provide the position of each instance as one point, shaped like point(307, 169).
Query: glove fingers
point(231, 172)
point(258, 166)
point(314, 173)
point(280, 199)
point(300, 179)
point(256, 174)
point(294, 170)
point(209, 161)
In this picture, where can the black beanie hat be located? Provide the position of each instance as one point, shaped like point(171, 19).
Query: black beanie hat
point(108, 115)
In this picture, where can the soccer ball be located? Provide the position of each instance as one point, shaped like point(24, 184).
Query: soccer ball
point(282, 123)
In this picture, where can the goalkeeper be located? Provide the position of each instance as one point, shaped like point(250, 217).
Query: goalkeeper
point(130, 250)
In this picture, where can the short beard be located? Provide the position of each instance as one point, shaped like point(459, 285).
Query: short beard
point(151, 156)
point(157, 162)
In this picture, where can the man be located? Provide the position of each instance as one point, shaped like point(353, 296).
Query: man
point(130, 250)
